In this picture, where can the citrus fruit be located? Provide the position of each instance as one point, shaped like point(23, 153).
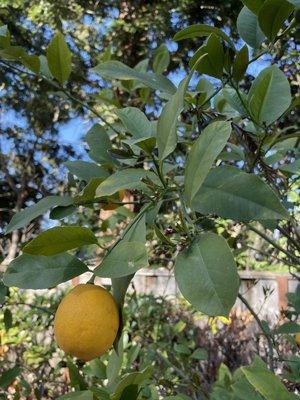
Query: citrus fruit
point(298, 338)
point(86, 322)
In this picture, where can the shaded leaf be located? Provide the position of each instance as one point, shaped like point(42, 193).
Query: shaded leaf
point(99, 143)
point(7, 377)
point(240, 64)
point(248, 28)
point(213, 62)
point(272, 16)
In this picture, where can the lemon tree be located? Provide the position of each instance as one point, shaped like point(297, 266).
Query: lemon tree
point(211, 151)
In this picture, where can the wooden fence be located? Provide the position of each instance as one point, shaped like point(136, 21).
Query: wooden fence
point(265, 291)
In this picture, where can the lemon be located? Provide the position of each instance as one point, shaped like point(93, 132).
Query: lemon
point(86, 322)
point(298, 338)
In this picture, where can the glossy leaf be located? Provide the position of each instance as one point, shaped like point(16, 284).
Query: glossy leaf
point(24, 217)
point(59, 58)
point(203, 153)
point(118, 70)
point(58, 239)
point(240, 64)
point(272, 16)
point(135, 122)
point(161, 59)
point(40, 272)
point(85, 170)
point(248, 28)
point(200, 30)
point(269, 96)
point(206, 275)
point(231, 193)
point(168, 121)
point(213, 62)
point(125, 179)
point(99, 144)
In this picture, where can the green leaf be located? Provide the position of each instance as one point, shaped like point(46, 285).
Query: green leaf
point(200, 354)
point(161, 59)
point(77, 381)
point(58, 239)
point(233, 99)
point(125, 179)
point(135, 233)
point(85, 170)
point(130, 392)
point(40, 272)
point(135, 122)
point(248, 28)
point(99, 144)
point(31, 62)
point(253, 5)
point(118, 70)
point(205, 89)
point(240, 64)
point(206, 275)
point(168, 120)
point(213, 63)
point(3, 293)
point(204, 151)
point(231, 193)
point(292, 168)
point(83, 395)
point(269, 96)
point(88, 193)
point(25, 216)
point(59, 58)
point(264, 381)
point(134, 378)
point(8, 320)
point(272, 16)
point(288, 328)
point(200, 30)
point(61, 212)
point(9, 376)
point(125, 259)
point(115, 362)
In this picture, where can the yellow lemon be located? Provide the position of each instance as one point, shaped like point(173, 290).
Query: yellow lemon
point(86, 322)
point(298, 338)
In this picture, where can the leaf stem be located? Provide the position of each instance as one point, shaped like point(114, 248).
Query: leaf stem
point(273, 243)
point(267, 335)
